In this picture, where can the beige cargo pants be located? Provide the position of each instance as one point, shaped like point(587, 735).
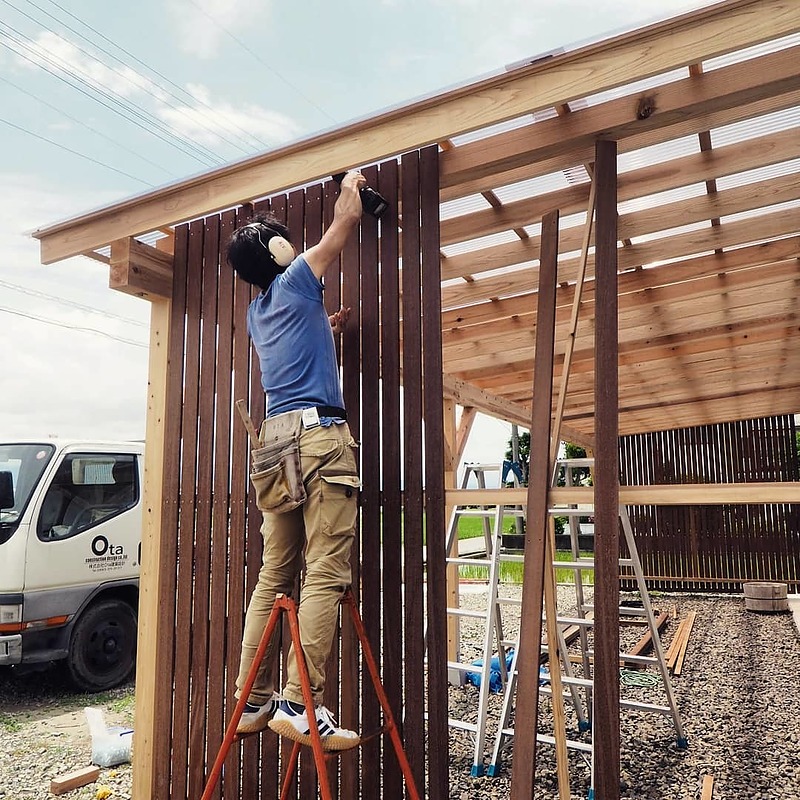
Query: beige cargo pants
point(324, 528)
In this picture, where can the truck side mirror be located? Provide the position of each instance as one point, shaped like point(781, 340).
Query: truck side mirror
point(6, 490)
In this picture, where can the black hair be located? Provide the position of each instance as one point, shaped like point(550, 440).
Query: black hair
point(247, 250)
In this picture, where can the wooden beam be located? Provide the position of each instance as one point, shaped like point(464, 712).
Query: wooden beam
point(643, 119)
point(687, 39)
point(651, 221)
point(640, 280)
point(468, 395)
point(465, 423)
point(696, 494)
point(140, 270)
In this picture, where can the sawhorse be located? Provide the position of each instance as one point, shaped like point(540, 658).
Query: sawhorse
point(284, 603)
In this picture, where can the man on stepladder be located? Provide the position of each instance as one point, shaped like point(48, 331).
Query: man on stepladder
point(305, 473)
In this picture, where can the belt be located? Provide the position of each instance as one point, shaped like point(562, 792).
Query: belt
point(332, 411)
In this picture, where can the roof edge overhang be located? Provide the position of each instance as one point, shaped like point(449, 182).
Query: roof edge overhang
point(687, 39)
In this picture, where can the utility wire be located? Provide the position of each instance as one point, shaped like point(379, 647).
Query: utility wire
point(86, 125)
point(260, 60)
point(72, 327)
point(248, 143)
point(39, 54)
point(71, 303)
point(74, 152)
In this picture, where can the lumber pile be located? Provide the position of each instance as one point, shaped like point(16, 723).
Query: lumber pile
point(677, 649)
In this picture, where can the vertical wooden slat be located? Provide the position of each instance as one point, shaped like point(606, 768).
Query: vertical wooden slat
point(187, 506)
point(202, 550)
point(370, 494)
point(438, 756)
point(272, 749)
point(414, 688)
point(527, 707)
point(237, 589)
point(312, 203)
point(605, 727)
point(351, 386)
point(221, 504)
point(391, 494)
point(332, 298)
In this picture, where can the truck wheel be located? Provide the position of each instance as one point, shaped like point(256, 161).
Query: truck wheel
point(102, 651)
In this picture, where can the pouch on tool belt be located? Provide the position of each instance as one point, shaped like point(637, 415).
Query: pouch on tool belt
point(277, 474)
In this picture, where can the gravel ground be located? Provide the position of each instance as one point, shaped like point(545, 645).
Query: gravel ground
point(738, 694)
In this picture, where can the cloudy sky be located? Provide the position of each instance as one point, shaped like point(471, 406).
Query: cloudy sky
point(103, 100)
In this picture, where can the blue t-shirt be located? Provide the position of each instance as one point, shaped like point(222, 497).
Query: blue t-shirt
point(292, 336)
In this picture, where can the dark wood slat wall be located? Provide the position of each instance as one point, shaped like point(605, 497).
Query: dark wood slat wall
point(716, 548)
point(211, 526)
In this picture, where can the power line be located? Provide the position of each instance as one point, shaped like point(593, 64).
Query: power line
point(200, 153)
point(74, 152)
point(72, 327)
point(71, 303)
point(260, 60)
point(85, 125)
point(213, 129)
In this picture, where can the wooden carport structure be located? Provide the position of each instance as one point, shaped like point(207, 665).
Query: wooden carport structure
point(685, 134)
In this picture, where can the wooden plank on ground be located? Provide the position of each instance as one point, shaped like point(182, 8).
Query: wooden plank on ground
point(708, 787)
point(684, 644)
point(646, 642)
point(74, 780)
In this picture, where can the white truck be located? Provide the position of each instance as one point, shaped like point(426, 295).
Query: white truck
point(70, 547)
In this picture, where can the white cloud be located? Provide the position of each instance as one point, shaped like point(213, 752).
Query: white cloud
point(208, 121)
point(55, 54)
point(57, 378)
point(201, 119)
point(201, 25)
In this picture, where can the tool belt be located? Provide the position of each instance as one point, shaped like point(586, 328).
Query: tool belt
point(277, 474)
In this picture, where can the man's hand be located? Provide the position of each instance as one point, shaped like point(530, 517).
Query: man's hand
point(348, 204)
point(339, 319)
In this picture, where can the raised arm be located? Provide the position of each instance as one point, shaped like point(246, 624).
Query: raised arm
point(346, 214)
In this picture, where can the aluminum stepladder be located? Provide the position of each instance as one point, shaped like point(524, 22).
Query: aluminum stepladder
point(492, 518)
point(584, 622)
point(289, 606)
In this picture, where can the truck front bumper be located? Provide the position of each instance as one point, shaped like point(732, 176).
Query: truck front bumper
point(11, 649)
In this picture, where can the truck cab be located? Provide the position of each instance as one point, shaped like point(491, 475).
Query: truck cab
point(70, 542)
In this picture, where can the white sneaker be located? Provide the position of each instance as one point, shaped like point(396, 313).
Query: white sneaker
point(255, 718)
point(291, 721)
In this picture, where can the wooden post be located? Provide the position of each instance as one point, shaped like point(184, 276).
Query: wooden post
point(606, 479)
point(150, 660)
point(527, 710)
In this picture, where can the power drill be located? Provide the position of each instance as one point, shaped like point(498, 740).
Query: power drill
point(372, 202)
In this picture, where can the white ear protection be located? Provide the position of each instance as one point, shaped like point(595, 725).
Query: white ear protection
point(281, 250)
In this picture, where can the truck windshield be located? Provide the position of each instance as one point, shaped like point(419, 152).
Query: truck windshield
point(26, 463)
